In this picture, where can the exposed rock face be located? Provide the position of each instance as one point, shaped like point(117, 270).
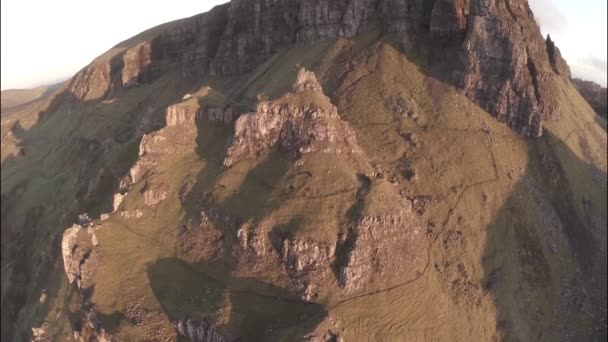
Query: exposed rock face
point(152, 197)
point(300, 122)
point(330, 19)
point(308, 262)
point(146, 164)
point(41, 334)
point(448, 22)
point(507, 67)
point(135, 61)
point(80, 261)
point(117, 200)
point(305, 262)
point(186, 115)
point(91, 326)
point(253, 31)
point(200, 331)
point(302, 255)
point(555, 58)
point(371, 262)
point(493, 50)
point(305, 81)
point(594, 94)
point(365, 259)
point(93, 82)
point(134, 214)
point(251, 242)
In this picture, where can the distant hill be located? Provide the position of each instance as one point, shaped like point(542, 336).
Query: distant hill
point(594, 94)
point(12, 99)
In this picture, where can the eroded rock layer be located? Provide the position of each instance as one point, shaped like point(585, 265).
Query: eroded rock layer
point(304, 121)
point(492, 50)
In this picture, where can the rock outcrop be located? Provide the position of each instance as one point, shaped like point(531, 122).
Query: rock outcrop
point(301, 122)
point(505, 64)
point(181, 120)
point(305, 262)
point(370, 260)
point(186, 115)
point(91, 83)
point(76, 246)
point(308, 265)
point(135, 61)
point(559, 64)
point(200, 331)
point(40, 334)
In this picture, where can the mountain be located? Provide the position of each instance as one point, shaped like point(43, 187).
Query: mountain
point(352, 170)
point(594, 94)
point(14, 99)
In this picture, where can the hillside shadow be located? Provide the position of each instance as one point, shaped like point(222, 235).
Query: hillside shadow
point(254, 199)
point(237, 313)
point(548, 280)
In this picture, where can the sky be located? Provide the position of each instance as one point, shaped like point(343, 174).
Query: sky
point(578, 28)
point(43, 42)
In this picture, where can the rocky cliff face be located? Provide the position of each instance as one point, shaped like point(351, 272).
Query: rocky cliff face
point(492, 49)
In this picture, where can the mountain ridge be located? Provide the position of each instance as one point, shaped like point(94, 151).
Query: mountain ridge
point(227, 40)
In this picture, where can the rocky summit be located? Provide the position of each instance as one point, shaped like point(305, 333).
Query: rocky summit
point(290, 170)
